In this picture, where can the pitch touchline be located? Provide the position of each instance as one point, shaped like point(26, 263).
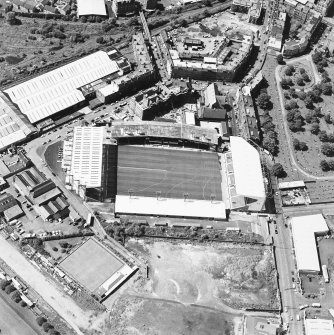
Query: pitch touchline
point(139, 168)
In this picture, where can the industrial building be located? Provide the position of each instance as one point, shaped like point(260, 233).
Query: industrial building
point(57, 91)
point(304, 232)
point(14, 127)
point(41, 193)
point(9, 207)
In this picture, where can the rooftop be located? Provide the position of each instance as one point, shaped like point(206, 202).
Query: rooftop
point(319, 326)
point(304, 229)
point(91, 7)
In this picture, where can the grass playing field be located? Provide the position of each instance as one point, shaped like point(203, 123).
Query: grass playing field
point(91, 264)
point(171, 172)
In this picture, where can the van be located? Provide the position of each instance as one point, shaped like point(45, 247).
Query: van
point(297, 317)
point(316, 305)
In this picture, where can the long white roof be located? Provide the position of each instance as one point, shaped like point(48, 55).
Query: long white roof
point(12, 127)
point(319, 327)
point(247, 168)
point(91, 7)
point(303, 232)
point(86, 166)
point(56, 90)
point(170, 207)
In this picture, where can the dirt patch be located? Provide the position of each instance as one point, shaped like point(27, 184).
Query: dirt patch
point(212, 275)
point(136, 315)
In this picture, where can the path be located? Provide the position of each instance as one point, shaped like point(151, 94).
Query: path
point(286, 129)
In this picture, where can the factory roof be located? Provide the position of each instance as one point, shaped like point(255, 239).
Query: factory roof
point(91, 7)
point(56, 90)
point(304, 229)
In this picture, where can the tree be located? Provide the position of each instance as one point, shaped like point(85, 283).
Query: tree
point(100, 40)
point(300, 81)
point(289, 70)
point(293, 104)
point(308, 116)
point(328, 118)
point(277, 170)
point(303, 146)
point(16, 296)
point(268, 126)
point(315, 128)
point(317, 57)
point(323, 136)
point(287, 106)
point(305, 77)
point(324, 165)
point(279, 59)
point(263, 101)
point(4, 283)
point(327, 149)
point(331, 164)
point(308, 102)
point(284, 83)
point(327, 89)
point(10, 289)
point(302, 70)
point(54, 332)
point(83, 19)
point(11, 19)
point(23, 304)
point(47, 326)
point(40, 320)
point(296, 144)
point(270, 145)
point(290, 116)
point(302, 95)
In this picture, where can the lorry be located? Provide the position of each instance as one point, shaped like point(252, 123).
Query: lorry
point(325, 273)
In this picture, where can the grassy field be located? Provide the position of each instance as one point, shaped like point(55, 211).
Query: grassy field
point(172, 172)
point(215, 275)
point(91, 264)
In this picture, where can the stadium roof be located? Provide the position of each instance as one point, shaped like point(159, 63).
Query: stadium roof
point(86, 165)
point(13, 127)
point(170, 207)
point(304, 229)
point(319, 326)
point(91, 7)
point(247, 168)
point(56, 90)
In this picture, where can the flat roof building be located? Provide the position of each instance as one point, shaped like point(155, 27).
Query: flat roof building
point(91, 7)
point(304, 231)
point(319, 326)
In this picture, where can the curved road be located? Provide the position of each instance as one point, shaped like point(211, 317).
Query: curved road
point(286, 129)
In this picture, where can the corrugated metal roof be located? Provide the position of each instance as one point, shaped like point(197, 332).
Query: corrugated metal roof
point(56, 90)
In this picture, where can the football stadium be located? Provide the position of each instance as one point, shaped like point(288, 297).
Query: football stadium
point(166, 180)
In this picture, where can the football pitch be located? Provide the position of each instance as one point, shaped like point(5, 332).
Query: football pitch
point(168, 173)
point(91, 264)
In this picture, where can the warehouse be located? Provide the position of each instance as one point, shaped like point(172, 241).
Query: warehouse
point(14, 127)
point(57, 90)
point(304, 232)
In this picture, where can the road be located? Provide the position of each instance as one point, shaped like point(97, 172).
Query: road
point(285, 264)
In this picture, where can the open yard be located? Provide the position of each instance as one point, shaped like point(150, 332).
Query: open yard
point(91, 264)
point(215, 275)
point(134, 315)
